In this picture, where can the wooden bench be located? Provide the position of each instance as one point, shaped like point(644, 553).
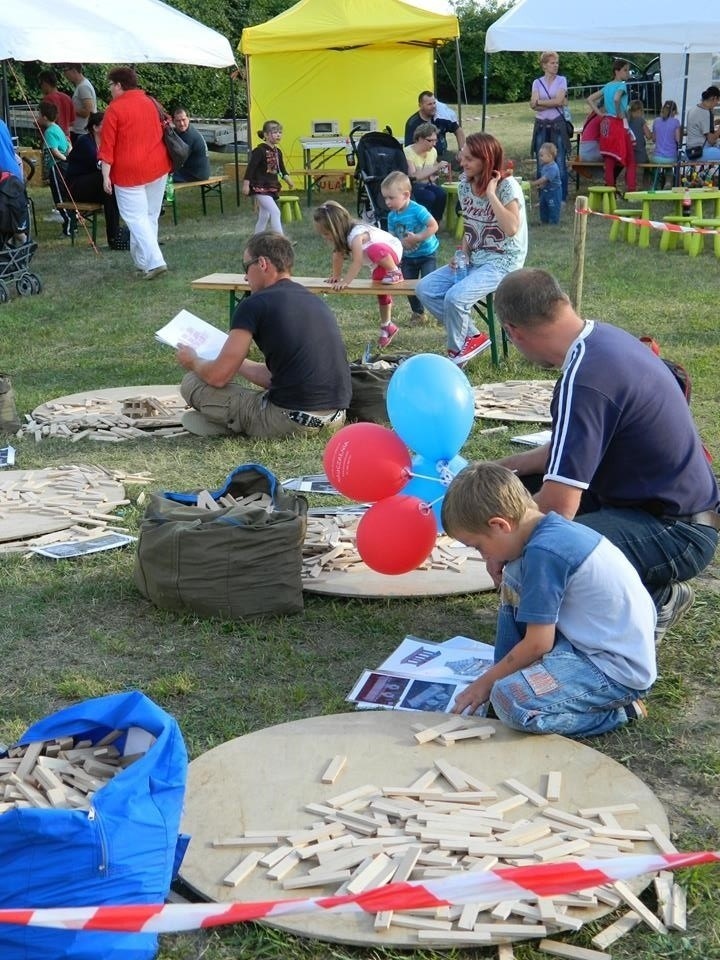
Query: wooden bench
point(211, 185)
point(236, 284)
point(88, 211)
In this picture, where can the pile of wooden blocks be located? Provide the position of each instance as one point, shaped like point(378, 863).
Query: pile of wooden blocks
point(206, 501)
point(69, 502)
point(62, 773)
point(515, 400)
point(447, 821)
point(329, 547)
point(111, 421)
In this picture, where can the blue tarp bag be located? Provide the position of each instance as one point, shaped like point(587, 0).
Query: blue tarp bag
point(122, 850)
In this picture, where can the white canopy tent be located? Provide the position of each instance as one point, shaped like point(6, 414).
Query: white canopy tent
point(90, 31)
point(646, 26)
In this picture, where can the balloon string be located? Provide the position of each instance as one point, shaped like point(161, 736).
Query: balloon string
point(421, 476)
point(436, 500)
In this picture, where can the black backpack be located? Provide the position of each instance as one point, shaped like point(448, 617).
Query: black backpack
point(13, 205)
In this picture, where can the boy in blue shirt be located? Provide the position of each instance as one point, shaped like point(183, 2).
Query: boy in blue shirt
point(574, 645)
point(415, 227)
point(549, 184)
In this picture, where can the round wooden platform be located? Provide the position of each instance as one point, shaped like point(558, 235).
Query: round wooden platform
point(263, 780)
point(115, 396)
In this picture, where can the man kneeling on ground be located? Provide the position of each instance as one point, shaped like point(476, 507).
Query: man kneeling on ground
point(305, 377)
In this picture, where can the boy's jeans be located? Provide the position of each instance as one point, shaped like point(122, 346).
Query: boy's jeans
point(563, 693)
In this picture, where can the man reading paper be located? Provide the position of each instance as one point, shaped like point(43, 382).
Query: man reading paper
point(304, 380)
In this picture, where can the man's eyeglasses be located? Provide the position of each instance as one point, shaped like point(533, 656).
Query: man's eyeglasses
point(246, 266)
point(430, 139)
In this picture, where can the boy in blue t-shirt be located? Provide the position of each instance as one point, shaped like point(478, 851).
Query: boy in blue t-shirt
point(575, 637)
point(549, 184)
point(414, 226)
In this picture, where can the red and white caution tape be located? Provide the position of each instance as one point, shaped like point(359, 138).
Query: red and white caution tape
point(511, 883)
point(654, 224)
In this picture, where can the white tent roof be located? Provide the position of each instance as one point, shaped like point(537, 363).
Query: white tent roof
point(104, 31)
point(645, 26)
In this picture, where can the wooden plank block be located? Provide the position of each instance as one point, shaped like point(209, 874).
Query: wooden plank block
point(502, 807)
point(451, 773)
point(425, 780)
point(366, 790)
point(367, 875)
point(316, 880)
point(243, 869)
point(571, 951)
point(616, 930)
point(639, 907)
point(281, 869)
point(419, 923)
point(662, 842)
point(505, 952)
point(407, 863)
point(553, 785)
point(524, 930)
point(532, 795)
point(425, 734)
point(678, 912)
point(609, 808)
point(334, 769)
point(32, 752)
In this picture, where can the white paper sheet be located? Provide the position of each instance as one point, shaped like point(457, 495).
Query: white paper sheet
point(188, 330)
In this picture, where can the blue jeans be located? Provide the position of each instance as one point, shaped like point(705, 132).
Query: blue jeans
point(553, 134)
point(451, 303)
point(661, 551)
point(563, 693)
point(414, 267)
point(550, 204)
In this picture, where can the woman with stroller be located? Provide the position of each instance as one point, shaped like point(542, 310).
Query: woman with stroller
point(265, 168)
point(361, 243)
point(494, 243)
point(424, 169)
point(84, 179)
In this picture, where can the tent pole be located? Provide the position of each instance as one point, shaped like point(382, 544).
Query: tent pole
point(683, 120)
point(485, 89)
point(233, 109)
point(458, 87)
point(4, 95)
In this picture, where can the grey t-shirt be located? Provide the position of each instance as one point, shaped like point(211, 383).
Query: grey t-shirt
point(83, 91)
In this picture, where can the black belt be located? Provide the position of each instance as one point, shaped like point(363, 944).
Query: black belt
point(706, 518)
point(310, 420)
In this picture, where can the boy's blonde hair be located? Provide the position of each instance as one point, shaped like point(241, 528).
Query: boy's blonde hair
point(334, 222)
point(549, 148)
point(636, 106)
point(397, 180)
point(481, 491)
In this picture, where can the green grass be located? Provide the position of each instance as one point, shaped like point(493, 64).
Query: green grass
point(71, 630)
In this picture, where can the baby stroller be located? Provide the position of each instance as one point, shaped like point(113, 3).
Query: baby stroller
point(16, 250)
point(378, 154)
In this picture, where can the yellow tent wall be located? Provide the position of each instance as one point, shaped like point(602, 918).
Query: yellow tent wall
point(340, 60)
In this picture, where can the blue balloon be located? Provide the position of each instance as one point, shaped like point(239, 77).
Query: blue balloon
point(431, 405)
point(434, 477)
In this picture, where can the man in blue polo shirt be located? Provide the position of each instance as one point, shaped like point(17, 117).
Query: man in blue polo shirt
point(625, 457)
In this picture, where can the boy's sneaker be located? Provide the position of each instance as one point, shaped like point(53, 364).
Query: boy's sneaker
point(682, 597)
point(54, 217)
point(417, 319)
point(637, 710)
point(393, 276)
point(471, 348)
point(387, 332)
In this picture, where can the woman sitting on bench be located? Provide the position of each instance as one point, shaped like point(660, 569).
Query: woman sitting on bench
point(85, 182)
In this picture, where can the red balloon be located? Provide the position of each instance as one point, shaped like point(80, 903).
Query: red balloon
point(367, 462)
point(396, 534)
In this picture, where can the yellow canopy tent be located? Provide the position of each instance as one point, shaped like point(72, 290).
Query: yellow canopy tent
point(341, 60)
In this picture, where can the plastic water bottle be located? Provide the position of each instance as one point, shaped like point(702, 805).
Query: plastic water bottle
point(349, 153)
point(169, 190)
point(460, 262)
